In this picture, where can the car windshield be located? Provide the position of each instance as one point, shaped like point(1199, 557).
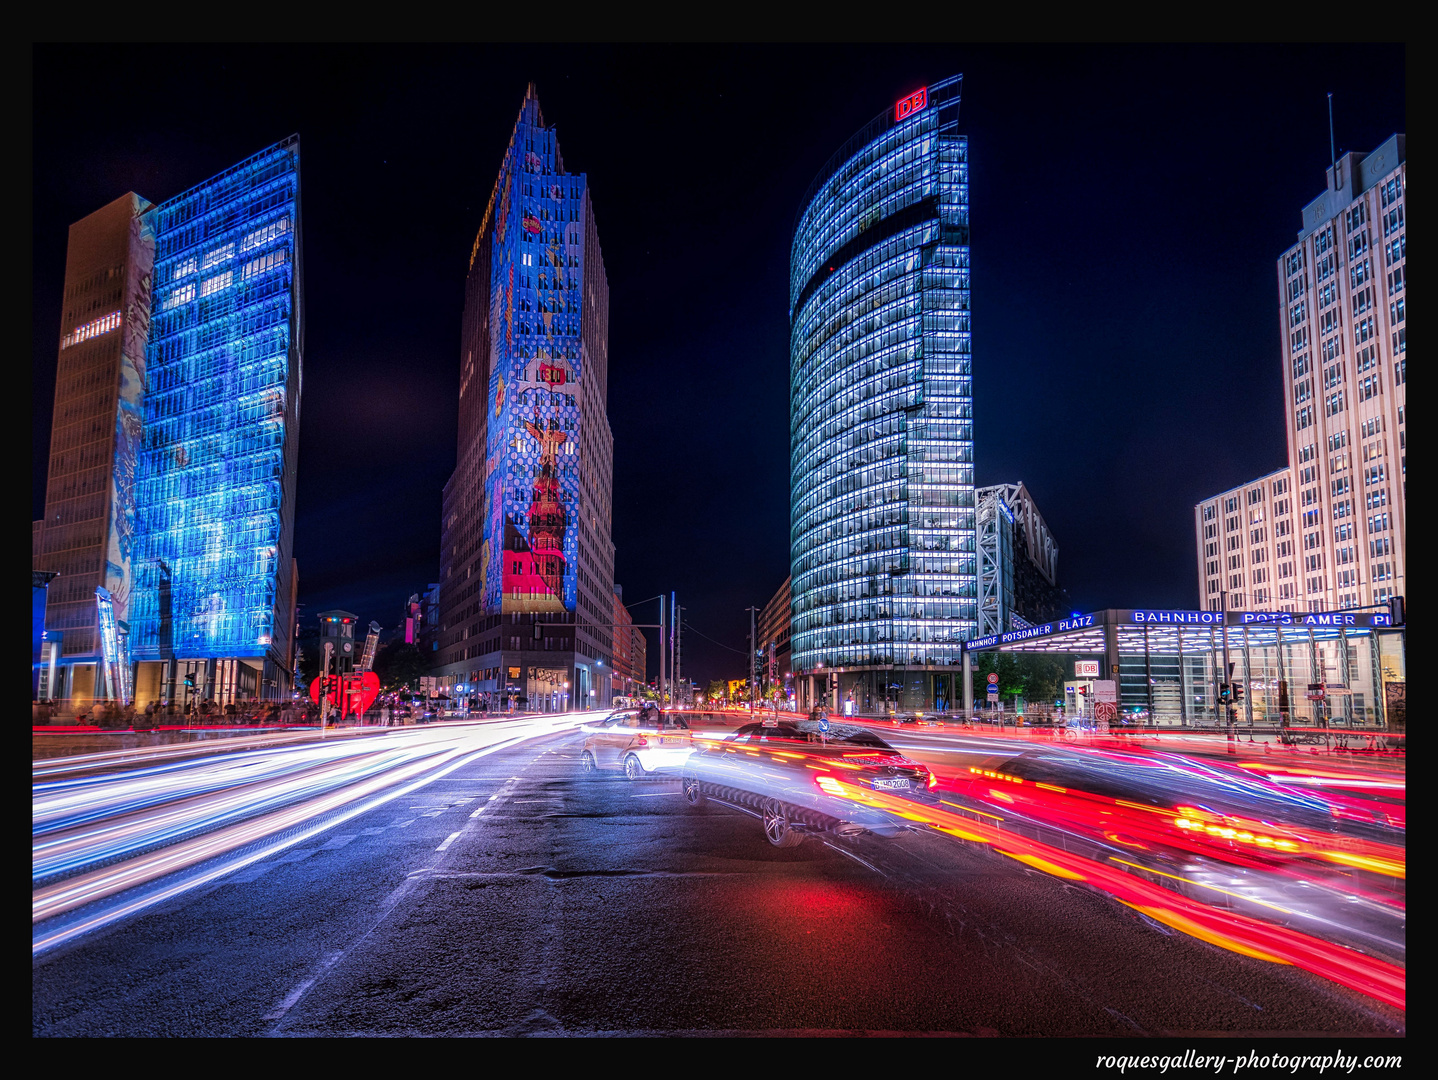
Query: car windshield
point(847, 735)
point(866, 738)
point(780, 731)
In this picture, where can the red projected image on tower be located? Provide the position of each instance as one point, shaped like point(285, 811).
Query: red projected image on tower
point(534, 567)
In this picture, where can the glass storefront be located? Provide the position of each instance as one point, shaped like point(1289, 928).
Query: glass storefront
point(1328, 670)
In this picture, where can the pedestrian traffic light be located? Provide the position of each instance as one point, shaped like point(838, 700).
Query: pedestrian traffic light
point(1237, 692)
point(1225, 692)
point(189, 680)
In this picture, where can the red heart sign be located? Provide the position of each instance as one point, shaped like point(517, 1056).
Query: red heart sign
point(353, 693)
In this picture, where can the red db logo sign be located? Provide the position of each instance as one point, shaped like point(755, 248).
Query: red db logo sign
point(911, 104)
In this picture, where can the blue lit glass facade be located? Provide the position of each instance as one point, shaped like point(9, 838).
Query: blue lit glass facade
point(526, 556)
point(881, 399)
point(215, 485)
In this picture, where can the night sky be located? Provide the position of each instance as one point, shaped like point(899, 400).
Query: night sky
point(1128, 208)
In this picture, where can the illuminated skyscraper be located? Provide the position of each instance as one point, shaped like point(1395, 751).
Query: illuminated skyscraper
point(881, 432)
point(526, 556)
point(1328, 532)
point(87, 534)
point(213, 610)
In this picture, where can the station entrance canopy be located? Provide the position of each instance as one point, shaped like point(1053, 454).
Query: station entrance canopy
point(1332, 668)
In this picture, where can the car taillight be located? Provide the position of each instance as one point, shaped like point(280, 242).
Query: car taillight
point(640, 740)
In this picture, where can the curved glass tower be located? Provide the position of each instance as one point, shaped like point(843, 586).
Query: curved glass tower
point(881, 415)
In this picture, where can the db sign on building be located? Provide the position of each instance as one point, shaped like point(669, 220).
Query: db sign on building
point(911, 104)
point(1085, 669)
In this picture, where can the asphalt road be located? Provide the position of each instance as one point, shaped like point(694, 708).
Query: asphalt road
point(517, 897)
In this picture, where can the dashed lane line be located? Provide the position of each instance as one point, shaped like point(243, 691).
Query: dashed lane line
point(389, 903)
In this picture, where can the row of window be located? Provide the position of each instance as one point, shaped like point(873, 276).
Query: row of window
point(93, 329)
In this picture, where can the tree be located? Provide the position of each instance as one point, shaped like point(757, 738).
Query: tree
point(400, 665)
point(718, 691)
point(1031, 676)
point(308, 643)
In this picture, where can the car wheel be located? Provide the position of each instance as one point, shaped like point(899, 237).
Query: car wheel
point(778, 829)
point(633, 770)
point(587, 765)
point(693, 793)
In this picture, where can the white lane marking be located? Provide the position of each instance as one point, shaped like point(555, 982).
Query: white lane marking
point(432, 813)
point(285, 1006)
point(402, 824)
point(337, 842)
point(490, 800)
point(386, 906)
point(451, 838)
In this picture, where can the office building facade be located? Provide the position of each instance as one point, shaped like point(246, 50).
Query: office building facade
point(774, 650)
point(170, 501)
point(883, 559)
point(213, 614)
point(527, 559)
point(87, 536)
point(1250, 557)
point(630, 656)
point(1328, 532)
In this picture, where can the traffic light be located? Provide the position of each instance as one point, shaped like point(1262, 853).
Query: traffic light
point(1395, 610)
point(1237, 693)
point(1225, 692)
point(189, 680)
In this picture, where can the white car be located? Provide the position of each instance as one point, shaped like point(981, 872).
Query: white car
point(636, 742)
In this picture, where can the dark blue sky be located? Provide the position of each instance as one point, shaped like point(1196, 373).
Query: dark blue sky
point(1128, 207)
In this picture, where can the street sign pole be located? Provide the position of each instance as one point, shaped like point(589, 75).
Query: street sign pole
point(753, 646)
point(325, 686)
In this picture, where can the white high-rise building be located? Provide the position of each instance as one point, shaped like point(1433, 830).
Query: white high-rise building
point(1327, 532)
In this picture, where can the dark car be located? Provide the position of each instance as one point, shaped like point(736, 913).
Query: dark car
point(798, 779)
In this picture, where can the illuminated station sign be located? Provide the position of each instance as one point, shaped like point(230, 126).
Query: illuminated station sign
point(1165, 618)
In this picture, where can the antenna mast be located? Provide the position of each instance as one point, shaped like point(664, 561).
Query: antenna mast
point(1332, 149)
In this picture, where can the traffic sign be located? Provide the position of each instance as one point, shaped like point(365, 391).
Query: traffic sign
point(1104, 710)
point(993, 677)
point(993, 690)
point(824, 724)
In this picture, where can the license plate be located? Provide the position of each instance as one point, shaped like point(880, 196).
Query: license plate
point(891, 783)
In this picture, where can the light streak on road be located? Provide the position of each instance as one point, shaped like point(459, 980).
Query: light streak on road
point(1230, 930)
point(296, 786)
point(1234, 857)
